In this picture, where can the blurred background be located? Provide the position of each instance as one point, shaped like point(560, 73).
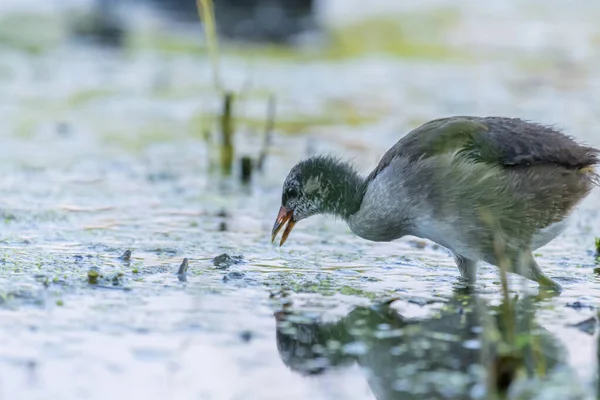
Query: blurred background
point(330, 65)
point(124, 127)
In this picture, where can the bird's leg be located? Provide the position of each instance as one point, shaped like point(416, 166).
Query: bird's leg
point(530, 269)
point(467, 268)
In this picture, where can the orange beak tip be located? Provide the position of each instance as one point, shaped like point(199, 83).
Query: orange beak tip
point(283, 217)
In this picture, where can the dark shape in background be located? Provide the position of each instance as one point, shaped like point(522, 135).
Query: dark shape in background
point(260, 21)
point(102, 25)
point(271, 21)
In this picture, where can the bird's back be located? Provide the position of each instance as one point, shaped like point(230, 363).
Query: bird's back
point(518, 142)
point(506, 142)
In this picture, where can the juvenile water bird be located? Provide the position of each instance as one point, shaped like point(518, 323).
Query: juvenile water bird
point(489, 189)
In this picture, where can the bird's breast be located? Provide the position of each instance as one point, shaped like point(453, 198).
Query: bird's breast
point(385, 212)
point(449, 234)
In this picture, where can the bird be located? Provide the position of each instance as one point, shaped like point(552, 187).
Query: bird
point(489, 189)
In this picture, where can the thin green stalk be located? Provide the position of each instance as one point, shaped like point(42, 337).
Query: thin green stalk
point(207, 17)
point(227, 134)
point(502, 369)
point(504, 265)
point(270, 124)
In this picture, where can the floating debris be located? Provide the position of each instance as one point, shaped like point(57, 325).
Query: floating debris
point(233, 275)
point(182, 272)
point(578, 305)
point(93, 275)
point(246, 336)
point(126, 257)
point(588, 326)
point(246, 169)
point(225, 261)
point(117, 279)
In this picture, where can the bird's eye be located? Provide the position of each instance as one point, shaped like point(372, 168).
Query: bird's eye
point(291, 192)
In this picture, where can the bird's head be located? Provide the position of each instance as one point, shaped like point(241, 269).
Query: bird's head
point(315, 186)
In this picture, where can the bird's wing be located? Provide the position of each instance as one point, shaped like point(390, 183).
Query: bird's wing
point(506, 142)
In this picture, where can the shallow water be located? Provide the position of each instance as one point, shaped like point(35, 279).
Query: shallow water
point(101, 154)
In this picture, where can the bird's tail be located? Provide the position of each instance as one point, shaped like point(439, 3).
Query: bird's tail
point(592, 174)
point(590, 169)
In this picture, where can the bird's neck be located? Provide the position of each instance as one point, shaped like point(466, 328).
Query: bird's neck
point(343, 190)
point(388, 209)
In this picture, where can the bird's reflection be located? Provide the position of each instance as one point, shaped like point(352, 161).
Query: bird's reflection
point(453, 354)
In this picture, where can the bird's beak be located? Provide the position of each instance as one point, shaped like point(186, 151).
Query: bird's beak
point(284, 216)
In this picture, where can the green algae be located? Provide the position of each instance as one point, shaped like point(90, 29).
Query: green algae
point(86, 96)
point(323, 285)
point(150, 135)
point(335, 113)
point(399, 36)
point(353, 291)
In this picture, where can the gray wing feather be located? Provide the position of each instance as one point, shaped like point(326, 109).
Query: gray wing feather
point(509, 142)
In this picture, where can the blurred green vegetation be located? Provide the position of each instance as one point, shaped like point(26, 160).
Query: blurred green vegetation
point(32, 33)
point(398, 36)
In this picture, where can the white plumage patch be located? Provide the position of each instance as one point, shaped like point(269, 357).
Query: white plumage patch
point(313, 184)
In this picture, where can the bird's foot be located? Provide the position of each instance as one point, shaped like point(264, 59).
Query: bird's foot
point(464, 286)
point(549, 285)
